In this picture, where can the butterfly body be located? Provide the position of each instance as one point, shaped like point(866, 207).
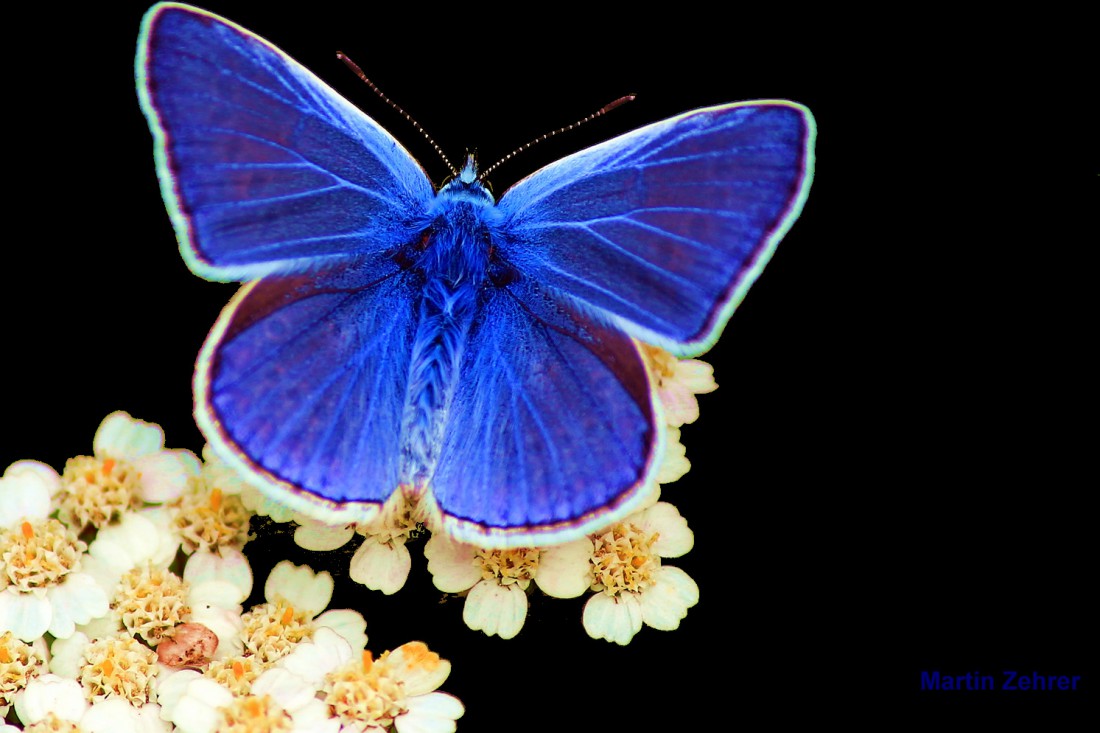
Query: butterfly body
point(483, 355)
point(449, 264)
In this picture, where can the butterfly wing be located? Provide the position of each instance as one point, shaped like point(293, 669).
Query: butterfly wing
point(303, 380)
point(267, 173)
point(552, 429)
point(263, 167)
point(661, 231)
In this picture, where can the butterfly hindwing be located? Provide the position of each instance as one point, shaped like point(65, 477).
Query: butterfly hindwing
point(552, 427)
point(662, 230)
point(304, 379)
point(263, 167)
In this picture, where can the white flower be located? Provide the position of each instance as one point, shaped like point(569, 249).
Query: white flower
point(295, 598)
point(678, 381)
point(49, 699)
point(43, 588)
point(398, 688)
point(210, 513)
point(497, 580)
point(139, 539)
point(129, 466)
point(277, 700)
point(383, 562)
point(633, 588)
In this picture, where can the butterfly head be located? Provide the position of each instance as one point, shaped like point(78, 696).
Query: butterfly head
point(466, 184)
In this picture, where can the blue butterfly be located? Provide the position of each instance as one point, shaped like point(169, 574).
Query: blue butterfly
point(480, 355)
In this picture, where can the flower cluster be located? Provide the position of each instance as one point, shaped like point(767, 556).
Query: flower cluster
point(122, 584)
point(123, 581)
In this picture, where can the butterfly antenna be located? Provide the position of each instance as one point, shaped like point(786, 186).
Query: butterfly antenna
point(598, 113)
point(359, 72)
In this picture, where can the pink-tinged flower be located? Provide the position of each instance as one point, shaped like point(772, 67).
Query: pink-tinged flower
point(678, 381)
point(632, 586)
point(129, 466)
point(42, 588)
point(497, 580)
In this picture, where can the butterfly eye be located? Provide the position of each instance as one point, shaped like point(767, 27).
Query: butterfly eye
point(501, 273)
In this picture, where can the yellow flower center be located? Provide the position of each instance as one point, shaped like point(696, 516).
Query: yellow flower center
point(19, 663)
point(623, 560)
point(39, 555)
point(119, 666)
point(151, 601)
point(509, 567)
point(399, 520)
point(254, 714)
point(236, 674)
point(96, 490)
point(365, 692)
point(211, 519)
point(271, 630)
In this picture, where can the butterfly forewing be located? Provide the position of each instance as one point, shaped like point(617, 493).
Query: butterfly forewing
point(263, 167)
point(663, 229)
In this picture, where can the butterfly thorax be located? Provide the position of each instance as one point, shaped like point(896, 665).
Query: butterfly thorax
point(451, 272)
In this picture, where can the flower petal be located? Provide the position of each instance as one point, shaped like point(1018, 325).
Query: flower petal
point(25, 493)
point(565, 571)
point(419, 668)
point(47, 694)
point(615, 618)
point(67, 655)
point(121, 436)
point(434, 713)
point(165, 474)
point(26, 615)
point(495, 609)
point(299, 586)
point(171, 688)
point(321, 537)
point(674, 462)
point(666, 602)
point(347, 623)
point(227, 565)
point(77, 600)
point(290, 690)
point(312, 660)
point(381, 565)
point(452, 564)
point(673, 536)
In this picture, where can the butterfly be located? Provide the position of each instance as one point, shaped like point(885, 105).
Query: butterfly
point(480, 355)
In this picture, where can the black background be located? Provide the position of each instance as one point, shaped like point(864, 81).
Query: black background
point(891, 476)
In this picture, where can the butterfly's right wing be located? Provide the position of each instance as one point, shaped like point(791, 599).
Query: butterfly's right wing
point(264, 168)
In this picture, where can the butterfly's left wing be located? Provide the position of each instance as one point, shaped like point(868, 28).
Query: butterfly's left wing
point(662, 230)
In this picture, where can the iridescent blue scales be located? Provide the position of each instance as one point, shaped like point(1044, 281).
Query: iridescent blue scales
point(481, 355)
